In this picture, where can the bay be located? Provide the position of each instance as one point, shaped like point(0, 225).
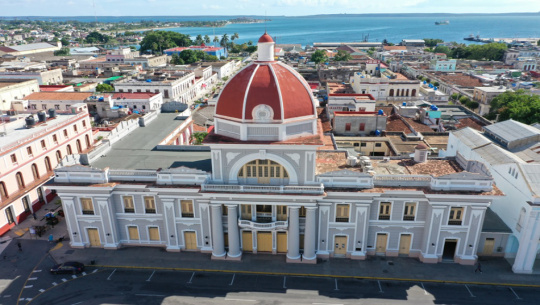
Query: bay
point(343, 28)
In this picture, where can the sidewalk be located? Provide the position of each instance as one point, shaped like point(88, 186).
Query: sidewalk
point(21, 231)
point(495, 270)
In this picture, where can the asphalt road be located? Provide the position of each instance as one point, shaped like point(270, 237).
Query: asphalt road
point(25, 279)
point(129, 286)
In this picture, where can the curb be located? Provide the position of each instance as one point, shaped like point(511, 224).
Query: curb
point(320, 276)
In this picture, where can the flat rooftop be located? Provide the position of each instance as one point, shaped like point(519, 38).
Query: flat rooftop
point(16, 130)
point(136, 150)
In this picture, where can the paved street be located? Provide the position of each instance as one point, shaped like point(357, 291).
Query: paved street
point(127, 286)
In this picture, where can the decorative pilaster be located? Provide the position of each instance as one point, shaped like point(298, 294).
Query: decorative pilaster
point(234, 233)
point(310, 236)
point(293, 242)
point(70, 213)
point(218, 244)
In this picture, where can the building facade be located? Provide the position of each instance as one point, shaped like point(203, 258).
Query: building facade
point(14, 89)
point(29, 156)
point(271, 190)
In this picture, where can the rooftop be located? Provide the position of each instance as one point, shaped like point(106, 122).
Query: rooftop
point(136, 150)
point(59, 96)
point(17, 134)
point(134, 95)
point(511, 130)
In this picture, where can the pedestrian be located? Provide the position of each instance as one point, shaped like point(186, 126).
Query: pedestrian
point(32, 231)
point(34, 215)
point(51, 238)
point(19, 245)
point(478, 268)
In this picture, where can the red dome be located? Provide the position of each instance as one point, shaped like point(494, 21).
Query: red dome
point(273, 84)
point(266, 38)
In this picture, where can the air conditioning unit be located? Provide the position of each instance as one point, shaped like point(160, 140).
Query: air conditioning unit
point(386, 159)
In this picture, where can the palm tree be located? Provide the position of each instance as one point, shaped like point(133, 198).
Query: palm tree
point(234, 36)
point(216, 39)
point(207, 39)
point(224, 40)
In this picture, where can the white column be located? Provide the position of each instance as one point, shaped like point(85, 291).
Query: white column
point(218, 245)
point(293, 235)
point(310, 234)
point(528, 244)
point(234, 232)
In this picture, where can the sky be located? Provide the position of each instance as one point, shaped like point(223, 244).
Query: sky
point(256, 7)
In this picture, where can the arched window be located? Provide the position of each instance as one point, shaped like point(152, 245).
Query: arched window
point(413, 92)
point(35, 171)
point(263, 171)
point(87, 140)
point(20, 180)
point(58, 156)
point(3, 191)
point(391, 92)
point(407, 92)
point(69, 152)
point(48, 166)
point(79, 148)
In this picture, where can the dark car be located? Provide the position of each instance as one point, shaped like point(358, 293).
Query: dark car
point(68, 267)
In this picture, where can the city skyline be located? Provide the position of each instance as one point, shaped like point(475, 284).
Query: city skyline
point(252, 7)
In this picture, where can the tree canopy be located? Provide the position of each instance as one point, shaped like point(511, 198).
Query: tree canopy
point(104, 88)
point(97, 37)
point(489, 51)
point(157, 41)
point(431, 42)
point(518, 106)
point(62, 52)
point(342, 56)
point(319, 56)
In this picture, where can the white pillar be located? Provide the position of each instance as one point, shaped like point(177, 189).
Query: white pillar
point(218, 244)
point(293, 242)
point(234, 232)
point(528, 244)
point(310, 235)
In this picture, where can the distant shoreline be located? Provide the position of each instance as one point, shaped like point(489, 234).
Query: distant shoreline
point(303, 16)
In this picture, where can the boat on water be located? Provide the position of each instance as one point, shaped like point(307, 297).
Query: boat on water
point(472, 38)
point(443, 22)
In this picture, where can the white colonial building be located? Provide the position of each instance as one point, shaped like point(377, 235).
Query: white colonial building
point(266, 187)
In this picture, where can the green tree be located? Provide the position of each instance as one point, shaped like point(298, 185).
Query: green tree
point(319, 56)
point(104, 88)
point(176, 60)
point(342, 56)
point(157, 41)
point(224, 40)
point(97, 37)
point(199, 137)
point(371, 51)
point(489, 51)
point(436, 84)
point(519, 106)
point(454, 96)
point(199, 40)
point(234, 36)
point(189, 56)
point(216, 39)
point(442, 49)
point(251, 49)
point(472, 105)
point(207, 39)
point(62, 52)
point(65, 41)
point(431, 42)
point(464, 100)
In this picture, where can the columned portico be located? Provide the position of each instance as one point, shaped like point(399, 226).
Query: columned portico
point(310, 236)
point(293, 242)
point(526, 254)
point(218, 244)
point(234, 233)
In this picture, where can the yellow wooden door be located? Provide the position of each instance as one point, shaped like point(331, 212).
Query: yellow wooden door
point(226, 239)
point(153, 233)
point(340, 245)
point(133, 233)
point(190, 240)
point(282, 242)
point(381, 243)
point(93, 236)
point(264, 242)
point(489, 244)
point(247, 241)
point(405, 244)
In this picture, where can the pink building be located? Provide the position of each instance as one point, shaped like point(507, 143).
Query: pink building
point(29, 155)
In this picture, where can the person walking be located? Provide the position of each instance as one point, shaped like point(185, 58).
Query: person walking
point(34, 215)
point(478, 267)
point(51, 238)
point(19, 246)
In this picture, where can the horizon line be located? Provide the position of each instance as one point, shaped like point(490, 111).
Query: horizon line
point(248, 15)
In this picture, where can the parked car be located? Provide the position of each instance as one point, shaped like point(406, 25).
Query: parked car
point(68, 267)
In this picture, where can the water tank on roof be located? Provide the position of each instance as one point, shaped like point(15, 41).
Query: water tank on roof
point(101, 99)
point(42, 117)
point(148, 80)
point(380, 112)
point(377, 132)
point(52, 113)
point(351, 161)
point(404, 104)
point(30, 121)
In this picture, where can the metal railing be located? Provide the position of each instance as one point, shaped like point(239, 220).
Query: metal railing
point(247, 224)
point(281, 189)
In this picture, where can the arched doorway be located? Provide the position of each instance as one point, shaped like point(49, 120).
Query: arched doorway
point(35, 171)
point(79, 148)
